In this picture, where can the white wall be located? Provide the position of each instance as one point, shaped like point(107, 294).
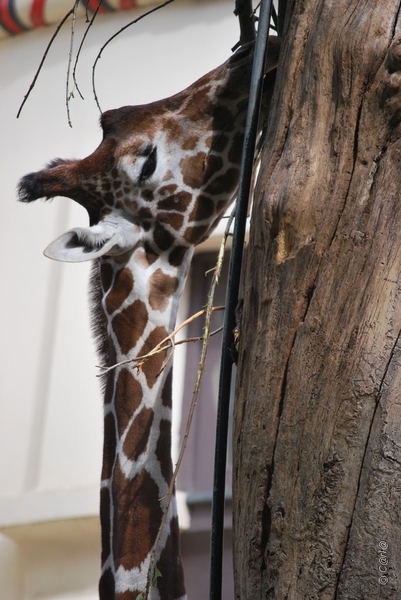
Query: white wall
point(50, 402)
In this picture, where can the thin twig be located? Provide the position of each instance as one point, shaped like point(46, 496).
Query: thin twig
point(152, 10)
point(165, 344)
point(59, 26)
point(67, 83)
point(90, 21)
point(199, 374)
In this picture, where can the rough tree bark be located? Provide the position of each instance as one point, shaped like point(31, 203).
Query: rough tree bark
point(317, 433)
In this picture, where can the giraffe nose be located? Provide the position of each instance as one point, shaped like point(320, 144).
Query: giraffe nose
point(30, 188)
point(69, 178)
point(56, 180)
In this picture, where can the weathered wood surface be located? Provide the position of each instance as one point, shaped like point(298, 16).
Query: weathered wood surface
point(317, 433)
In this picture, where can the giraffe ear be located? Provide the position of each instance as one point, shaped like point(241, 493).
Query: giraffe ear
point(87, 243)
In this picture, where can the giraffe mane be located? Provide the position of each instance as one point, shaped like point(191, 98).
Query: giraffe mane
point(98, 319)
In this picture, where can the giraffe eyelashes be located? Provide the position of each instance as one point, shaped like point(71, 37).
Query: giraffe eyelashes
point(139, 164)
point(149, 166)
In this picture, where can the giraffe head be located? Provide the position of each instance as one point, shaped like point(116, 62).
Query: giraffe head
point(164, 172)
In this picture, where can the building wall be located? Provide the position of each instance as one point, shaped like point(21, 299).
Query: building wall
point(50, 401)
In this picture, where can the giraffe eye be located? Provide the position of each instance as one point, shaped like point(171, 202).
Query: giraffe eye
point(149, 166)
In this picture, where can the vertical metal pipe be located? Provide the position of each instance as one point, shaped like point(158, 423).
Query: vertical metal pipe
point(251, 129)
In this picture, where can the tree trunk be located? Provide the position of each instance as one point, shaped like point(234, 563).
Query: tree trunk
point(317, 433)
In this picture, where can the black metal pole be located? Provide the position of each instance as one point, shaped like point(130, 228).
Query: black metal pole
point(251, 130)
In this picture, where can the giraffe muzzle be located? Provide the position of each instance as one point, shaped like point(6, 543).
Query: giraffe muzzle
point(53, 181)
point(30, 188)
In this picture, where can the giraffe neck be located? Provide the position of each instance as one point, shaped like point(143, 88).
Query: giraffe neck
point(140, 301)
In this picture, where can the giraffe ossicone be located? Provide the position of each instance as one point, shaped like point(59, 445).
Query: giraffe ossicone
point(156, 186)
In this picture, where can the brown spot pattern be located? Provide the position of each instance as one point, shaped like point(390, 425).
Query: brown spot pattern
point(132, 205)
point(122, 287)
point(163, 238)
point(173, 128)
point(137, 438)
point(177, 255)
point(129, 394)
point(161, 288)
point(194, 235)
point(214, 164)
point(193, 170)
point(167, 390)
point(235, 152)
point(106, 586)
point(112, 360)
point(224, 117)
point(201, 106)
point(171, 584)
point(203, 209)
point(153, 365)
point(175, 220)
point(105, 506)
point(190, 142)
point(145, 213)
point(151, 254)
point(178, 202)
point(163, 449)
point(137, 518)
point(109, 445)
point(221, 206)
point(147, 195)
point(227, 182)
point(129, 325)
point(167, 189)
point(219, 143)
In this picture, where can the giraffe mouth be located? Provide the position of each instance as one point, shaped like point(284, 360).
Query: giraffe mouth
point(62, 178)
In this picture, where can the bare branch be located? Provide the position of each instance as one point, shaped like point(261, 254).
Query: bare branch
point(90, 21)
point(165, 344)
point(67, 83)
point(73, 12)
point(114, 36)
point(59, 26)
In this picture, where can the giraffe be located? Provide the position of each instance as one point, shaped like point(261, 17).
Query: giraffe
point(154, 188)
